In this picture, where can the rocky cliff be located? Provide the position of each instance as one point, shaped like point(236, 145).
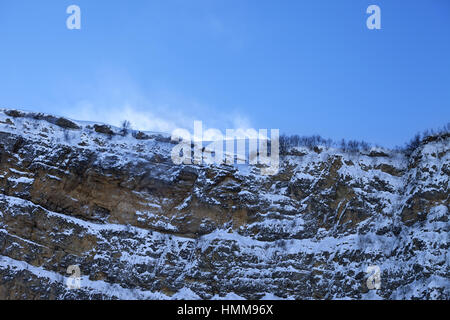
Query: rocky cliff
point(140, 227)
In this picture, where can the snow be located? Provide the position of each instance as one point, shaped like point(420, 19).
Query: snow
point(24, 180)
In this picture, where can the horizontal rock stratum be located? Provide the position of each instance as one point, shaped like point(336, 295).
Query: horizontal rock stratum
point(140, 227)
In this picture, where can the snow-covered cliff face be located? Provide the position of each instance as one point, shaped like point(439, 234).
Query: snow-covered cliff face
point(140, 227)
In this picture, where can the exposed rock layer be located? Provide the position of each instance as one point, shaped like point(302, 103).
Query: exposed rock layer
point(140, 227)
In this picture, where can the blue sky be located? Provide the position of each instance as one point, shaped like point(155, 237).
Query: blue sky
point(304, 67)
